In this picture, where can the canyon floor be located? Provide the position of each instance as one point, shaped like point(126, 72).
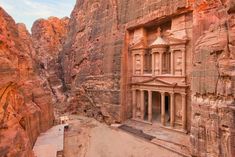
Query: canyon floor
point(89, 138)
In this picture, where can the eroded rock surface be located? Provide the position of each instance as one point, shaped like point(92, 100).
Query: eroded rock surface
point(93, 52)
point(91, 60)
point(84, 60)
point(25, 106)
point(213, 110)
point(95, 63)
point(48, 39)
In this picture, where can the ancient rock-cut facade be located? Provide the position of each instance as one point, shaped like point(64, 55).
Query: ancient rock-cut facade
point(164, 62)
point(159, 61)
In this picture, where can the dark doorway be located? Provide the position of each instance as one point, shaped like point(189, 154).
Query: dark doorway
point(167, 108)
point(156, 110)
point(145, 105)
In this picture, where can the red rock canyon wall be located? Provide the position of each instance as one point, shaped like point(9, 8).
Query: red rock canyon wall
point(95, 59)
point(48, 39)
point(83, 62)
point(26, 109)
point(213, 108)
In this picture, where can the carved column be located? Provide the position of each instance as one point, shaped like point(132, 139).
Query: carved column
point(153, 64)
point(133, 63)
point(142, 103)
point(172, 117)
point(150, 106)
point(134, 103)
point(142, 63)
point(160, 62)
point(183, 62)
point(184, 112)
point(172, 62)
point(163, 111)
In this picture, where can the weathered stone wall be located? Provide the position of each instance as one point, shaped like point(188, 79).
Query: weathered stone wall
point(91, 65)
point(92, 54)
point(25, 106)
point(91, 59)
point(213, 110)
point(48, 39)
point(94, 63)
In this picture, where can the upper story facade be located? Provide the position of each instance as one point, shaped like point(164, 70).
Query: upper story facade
point(161, 51)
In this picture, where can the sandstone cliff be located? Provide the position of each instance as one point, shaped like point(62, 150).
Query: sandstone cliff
point(91, 60)
point(48, 39)
point(92, 54)
point(213, 116)
point(25, 106)
point(83, 62)
point(95, 58)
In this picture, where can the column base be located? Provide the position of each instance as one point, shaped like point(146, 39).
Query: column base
point(174, 129)
point(142, 121)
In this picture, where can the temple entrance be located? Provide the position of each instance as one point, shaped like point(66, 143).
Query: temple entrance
point(146, 105)
point(167, 108)
point(156, 108)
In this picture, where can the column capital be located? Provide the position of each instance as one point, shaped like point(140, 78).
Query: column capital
point(153, 52)
point(163, 92)
point(183, 49)
point(134, 53)
point(172, 50)
point(183, 94)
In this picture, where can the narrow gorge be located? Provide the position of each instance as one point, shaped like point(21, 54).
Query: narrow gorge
point(159, 69)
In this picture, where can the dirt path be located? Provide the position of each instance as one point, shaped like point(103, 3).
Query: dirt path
point(89, 138)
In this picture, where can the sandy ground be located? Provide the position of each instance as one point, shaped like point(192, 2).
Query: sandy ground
point(89, 138)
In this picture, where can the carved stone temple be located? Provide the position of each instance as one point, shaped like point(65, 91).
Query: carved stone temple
point(159, 68)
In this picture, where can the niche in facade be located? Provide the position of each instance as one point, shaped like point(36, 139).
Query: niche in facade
point(156, 50)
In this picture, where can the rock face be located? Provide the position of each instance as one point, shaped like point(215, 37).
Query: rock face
point(213, 108)
point(25, 106)
point(95, 58)
point(92, 55)
point(48, 39)
point(91, 60)
point(85, 61)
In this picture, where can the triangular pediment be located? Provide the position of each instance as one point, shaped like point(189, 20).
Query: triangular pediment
point(138, 44)
point(159, 41)
point(156, 81)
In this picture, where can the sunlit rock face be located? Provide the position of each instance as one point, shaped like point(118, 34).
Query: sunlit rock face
point(48, 38)
point(91, 60)
point(85, 62)
point(213, 114)
point(94, 62)
point(25, 106)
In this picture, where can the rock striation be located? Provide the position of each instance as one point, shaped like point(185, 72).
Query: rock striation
point(48, 39)
point(85, 62)
point(95, 60)
point(93, 53)
point(91, 60)
point(26, 107)
point(213, 110)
